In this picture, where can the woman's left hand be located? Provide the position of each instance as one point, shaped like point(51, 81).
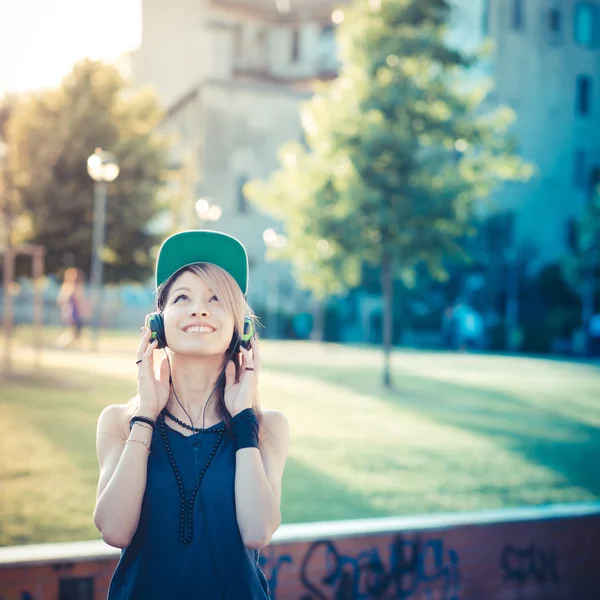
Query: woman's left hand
point(239, 395)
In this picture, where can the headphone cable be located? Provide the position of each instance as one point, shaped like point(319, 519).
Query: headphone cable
point(213, 390)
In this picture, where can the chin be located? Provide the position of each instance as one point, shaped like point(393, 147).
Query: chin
point(200, 348)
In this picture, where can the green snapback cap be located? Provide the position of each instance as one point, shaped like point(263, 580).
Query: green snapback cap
point(189, 247)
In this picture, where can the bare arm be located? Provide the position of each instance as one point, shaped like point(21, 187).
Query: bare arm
point(258, 477)
point(124, 465)
point(122, 481)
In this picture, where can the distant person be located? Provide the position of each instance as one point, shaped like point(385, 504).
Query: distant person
point(74, 306)
point(594, 331)
point(191, 468)
point(469, 326)
point(449, 329)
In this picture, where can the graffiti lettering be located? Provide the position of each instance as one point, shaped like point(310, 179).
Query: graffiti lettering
point(413, 567)
point(530, 563)
point(273, 563)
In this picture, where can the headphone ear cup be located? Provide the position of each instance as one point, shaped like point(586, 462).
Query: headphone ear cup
point(248, 333)
point(156, 324)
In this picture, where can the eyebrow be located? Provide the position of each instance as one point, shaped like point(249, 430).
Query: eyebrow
point(181, 288)
point(187, 289)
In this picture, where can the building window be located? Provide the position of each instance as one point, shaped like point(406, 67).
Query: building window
point(517, 14)
point(237, 41)
point(260, 43)
point(242, 201)
point(584, 93)
point(571, 234)
point(295, 45)
point(585, 24)
point(594, 186)
point(485, 17)
point(554, 20)
point(579, 168)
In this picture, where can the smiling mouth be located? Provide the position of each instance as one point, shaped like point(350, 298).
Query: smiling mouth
point(199, 329)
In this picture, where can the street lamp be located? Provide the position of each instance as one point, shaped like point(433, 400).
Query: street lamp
point(103, 168)
point(208, 212)
point(273, 240)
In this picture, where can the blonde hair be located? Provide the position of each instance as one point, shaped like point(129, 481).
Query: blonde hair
point(230, 295)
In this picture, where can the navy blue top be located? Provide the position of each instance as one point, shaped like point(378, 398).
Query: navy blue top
point(215, 565)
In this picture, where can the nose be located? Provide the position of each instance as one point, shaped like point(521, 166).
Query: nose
point(194, 312)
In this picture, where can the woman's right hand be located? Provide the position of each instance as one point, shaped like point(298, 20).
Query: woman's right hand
point(152, 392)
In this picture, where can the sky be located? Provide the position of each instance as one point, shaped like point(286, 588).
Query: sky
point(40, 40)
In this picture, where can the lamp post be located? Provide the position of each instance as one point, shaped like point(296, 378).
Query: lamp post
point(207, 212)
point(273, 240)
point(103, 168)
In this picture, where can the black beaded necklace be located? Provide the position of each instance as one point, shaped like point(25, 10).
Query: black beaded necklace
point(194, 429)
point(220, 430)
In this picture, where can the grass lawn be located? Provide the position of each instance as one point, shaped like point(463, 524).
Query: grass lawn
point(461, 432)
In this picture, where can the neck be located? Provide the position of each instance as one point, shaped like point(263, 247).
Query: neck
point(193, 382)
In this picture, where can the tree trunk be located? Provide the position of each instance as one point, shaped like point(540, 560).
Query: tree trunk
point(387, 322)
point(318, 311)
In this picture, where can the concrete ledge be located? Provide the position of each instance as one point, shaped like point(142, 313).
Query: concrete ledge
point(97, 550)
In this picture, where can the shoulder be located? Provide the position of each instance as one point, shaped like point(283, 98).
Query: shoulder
point(113, 419)
point(275, 429)
point(274, 421)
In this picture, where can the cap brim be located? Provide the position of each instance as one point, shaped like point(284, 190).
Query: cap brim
point(189, 247)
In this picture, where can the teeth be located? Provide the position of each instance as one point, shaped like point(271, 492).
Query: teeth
point(199, 329)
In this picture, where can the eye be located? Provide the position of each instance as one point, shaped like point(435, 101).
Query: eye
point(179, 297)
point(214, 298)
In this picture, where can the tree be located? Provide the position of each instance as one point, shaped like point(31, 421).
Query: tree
point(50, 135)
point(398, 155)
point(581, 265)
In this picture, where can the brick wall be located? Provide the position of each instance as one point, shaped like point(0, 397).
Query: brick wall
point(549, 553)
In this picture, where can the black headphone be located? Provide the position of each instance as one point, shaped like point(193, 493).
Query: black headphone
point(156, 323)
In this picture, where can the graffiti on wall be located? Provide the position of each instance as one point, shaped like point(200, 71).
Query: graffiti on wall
point(529, 564)
point(408, 568)
point(412, 566)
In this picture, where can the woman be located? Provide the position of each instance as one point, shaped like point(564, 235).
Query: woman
point(74, 306)
point(190, 470)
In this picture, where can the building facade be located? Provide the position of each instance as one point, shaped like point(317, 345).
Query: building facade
point(546, 66)
point(233, 74)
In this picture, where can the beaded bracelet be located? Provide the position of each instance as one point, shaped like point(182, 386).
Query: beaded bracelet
point(144, 425)
point(137, 419)
point(139, 442)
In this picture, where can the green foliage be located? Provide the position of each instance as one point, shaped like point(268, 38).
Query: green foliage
point(398, 155)
point(50, 135)
point(584, 255)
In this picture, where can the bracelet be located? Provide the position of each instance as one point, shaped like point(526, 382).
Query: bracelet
point(139, 442)
point(141, 424)
point(244, 427)
point(141, 420)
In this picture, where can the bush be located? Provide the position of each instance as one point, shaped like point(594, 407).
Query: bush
point(554, 324)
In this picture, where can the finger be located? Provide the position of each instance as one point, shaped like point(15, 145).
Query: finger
point(148, 357)
point(143, 344)
point(247, 360)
